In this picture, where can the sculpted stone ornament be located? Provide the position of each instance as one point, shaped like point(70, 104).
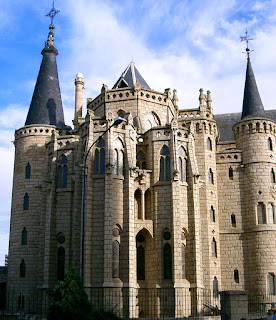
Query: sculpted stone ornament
point(109, 168)
point(142, 177)
point(175, 175)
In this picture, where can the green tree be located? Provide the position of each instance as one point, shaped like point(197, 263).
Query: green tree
point(70, 302)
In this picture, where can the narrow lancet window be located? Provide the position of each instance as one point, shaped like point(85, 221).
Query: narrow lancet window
point(271, 283)
point(60, 263)
point(118, 158)
point(270, 213)
point(261, 213)
point(182, 164)
point(62, 171)
point(22, 269)
point(210, 176)
point(99, 160)
point(231, 173)
point(209, 144)
point(212, 214)
point(24, 237)
point(215, 287)
point(115, 259)
point(233, 220)
point(236, 276)
point(165, 164)
point(272, 176)
point(140, 263)
point(214, 247)
point(28, 171)
point(26, 202)
point(269, 144)
point(167, 261)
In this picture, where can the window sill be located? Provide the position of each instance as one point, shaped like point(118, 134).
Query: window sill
point(63, 190)
point(118, 177)
point(99, 176)
point(163, 183)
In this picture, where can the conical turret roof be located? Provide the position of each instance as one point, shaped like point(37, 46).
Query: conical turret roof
point(129, 78)
point(252, 103)
point(46, 105)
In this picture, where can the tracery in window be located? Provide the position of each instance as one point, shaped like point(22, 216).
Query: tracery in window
point(99, 160)
point(62, 172)
point(141, 160)
point(182, 164)
point(118, 157)
point(165, 164)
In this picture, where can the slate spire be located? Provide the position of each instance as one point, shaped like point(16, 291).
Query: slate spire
point(252, 103)
point(46, 105)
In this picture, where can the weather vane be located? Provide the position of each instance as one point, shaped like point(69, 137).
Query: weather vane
point(53, 12)
point(247, 39)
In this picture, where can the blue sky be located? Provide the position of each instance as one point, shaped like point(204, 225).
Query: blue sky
point(181, 44)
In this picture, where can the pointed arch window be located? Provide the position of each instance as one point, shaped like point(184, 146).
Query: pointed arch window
point(272, 176)
point(28, 171)
point(215, 287)
point(165, 164)
point(231, 173)
point(270, 213)
point(141, 160)
point(60, 263)
point(167, 261)
point(115, 259)
point(214, 247)
point(62, 172)
point(182, 164)
point(148, 205)
point(269, 144)
point(22, 269)
point(210, 176)
point(26, 202)
point(209, 144)
point(140, 263)
point(118, 158)
point(99, 159)
point(212, 214)
point(261, 213)
point(152, 121)
point(24, 237)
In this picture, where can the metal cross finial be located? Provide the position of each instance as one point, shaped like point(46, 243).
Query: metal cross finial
point(53, 12)
point(247, 39)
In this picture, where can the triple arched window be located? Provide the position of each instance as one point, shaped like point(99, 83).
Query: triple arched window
point(118, 157)
point(182, 164)
point(165, 164)
point(99, 160)
point(62, 172)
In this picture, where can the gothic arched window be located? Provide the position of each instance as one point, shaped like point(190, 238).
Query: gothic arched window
point(60, 263)
point(140, 263)
point(271, 283)
point(182, 164)
point(118, 159)
point(269, 144)
point(62, 172)
point(209, 144)
point(26, 202)
point(210, 176)
point(230, 173)
point(272, 176)
point(141, 160)
point(212, 214)
point(22, 269)
point(167, 261)
point(115, 259)
point(261, 213)
point(28, 171)
point(152, 121)
point(214, 247)
point(165, 164)
point(99, 160)
point(148, 204)
point(24, 237)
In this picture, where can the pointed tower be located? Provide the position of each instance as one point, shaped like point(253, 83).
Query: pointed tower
point(255, 136)
point(46, 105)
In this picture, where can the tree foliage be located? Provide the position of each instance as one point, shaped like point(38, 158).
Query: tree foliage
point(70, 302)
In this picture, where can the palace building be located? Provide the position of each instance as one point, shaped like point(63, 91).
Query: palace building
point(173, 199)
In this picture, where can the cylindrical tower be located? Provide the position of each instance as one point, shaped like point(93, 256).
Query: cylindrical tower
point(79, 83)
